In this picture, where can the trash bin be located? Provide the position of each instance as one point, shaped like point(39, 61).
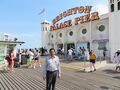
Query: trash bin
point(16, 63)
point(23, 59)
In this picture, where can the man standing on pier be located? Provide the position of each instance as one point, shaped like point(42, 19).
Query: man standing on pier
point(51, 70)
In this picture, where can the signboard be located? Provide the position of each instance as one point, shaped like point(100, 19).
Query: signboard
point(1, 59)
point(2, 51)
point(79, 20)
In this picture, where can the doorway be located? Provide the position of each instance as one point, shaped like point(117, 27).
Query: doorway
point(70, 45)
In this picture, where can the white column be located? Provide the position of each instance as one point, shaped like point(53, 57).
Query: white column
point(5, 48)
point(90, 34)
point(75, 46)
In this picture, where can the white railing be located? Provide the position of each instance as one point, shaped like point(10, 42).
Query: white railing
point(6, 39)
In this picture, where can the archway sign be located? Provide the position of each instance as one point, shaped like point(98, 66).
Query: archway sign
point(79, 20)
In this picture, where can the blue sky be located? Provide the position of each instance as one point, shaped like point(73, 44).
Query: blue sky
point(20, 17)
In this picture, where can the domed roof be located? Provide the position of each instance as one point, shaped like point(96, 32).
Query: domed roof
point(45, 22)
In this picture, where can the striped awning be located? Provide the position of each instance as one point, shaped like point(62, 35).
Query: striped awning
point(101, 40)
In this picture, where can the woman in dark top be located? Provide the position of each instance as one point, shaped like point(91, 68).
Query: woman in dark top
point(36, 59)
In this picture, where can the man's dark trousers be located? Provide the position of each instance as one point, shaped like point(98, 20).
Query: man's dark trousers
point(51, 79)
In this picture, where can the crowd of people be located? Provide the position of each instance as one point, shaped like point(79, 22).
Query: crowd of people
point(32, 57)
point(84, 55)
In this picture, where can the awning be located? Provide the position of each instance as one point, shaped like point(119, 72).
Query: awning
point(12, 42)
point(101, 40)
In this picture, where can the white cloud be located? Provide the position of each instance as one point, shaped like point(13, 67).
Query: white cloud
point(101, 8)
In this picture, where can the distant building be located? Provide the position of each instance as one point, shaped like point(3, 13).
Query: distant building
point(7, 42)
point(98, 35)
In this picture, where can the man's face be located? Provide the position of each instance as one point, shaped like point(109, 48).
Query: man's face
point(52, 52)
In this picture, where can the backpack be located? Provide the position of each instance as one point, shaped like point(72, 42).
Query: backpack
point(7, 58)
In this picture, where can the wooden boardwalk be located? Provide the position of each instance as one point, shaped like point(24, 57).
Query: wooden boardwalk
point(31, 79)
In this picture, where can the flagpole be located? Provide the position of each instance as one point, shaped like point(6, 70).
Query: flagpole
point(44, 15)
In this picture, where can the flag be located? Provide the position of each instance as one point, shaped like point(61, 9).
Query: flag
point(42, 11)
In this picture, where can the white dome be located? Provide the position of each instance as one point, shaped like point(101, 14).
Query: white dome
point(45, 22)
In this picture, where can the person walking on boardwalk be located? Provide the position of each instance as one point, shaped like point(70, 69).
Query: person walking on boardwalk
point(92, 60)
point(116, 60)
point(51, 70)
point(36, 59)
point(63, 52)
point(11, 60)
point(70, 54)
point(30, 55)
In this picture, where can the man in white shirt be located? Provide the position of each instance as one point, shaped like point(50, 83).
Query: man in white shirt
point(70, 52)
point(51, 70)
point(63, 54)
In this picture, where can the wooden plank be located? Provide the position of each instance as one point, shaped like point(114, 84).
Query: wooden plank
point(27, 81)
point(1, 85)
point(5, 82)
